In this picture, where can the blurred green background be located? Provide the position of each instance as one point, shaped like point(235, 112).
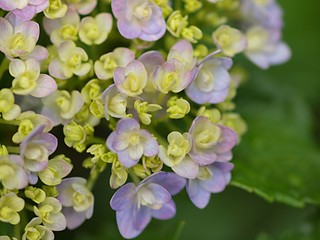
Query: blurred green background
point(278, 160)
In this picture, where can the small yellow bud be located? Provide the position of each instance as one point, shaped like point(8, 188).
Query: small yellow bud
point(192, 34)
point(144, 108)
point(177, 107)
point(176, 22)
point(35, 194)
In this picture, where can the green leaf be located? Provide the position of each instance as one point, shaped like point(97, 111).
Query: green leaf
point(278, 158)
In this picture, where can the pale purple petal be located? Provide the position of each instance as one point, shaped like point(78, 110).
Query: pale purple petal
point(170, 181)
point(187, 168)
point(167, 211)
point(199, 196)
point(45, 86)
point(125, 159)
point(220, 178)
point(129, 30)
point(132, 222)
point(127, 124)
point(66, 191)
point(150, 144)
point(228, 140)
point(74, 219)
point(122, 199)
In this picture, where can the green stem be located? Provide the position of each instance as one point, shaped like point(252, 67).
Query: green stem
point(134, 177)
point(92, 180)
point(29, 207)
point(17, 231)
point(4, 66)
point(179, 230)
point(13, 149)
point(95, 140)
point(13, 122)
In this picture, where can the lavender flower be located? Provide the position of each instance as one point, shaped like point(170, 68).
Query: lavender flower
point(210, 140)
point(36, 148)
point(25, 9)
point(139, 19)
point(211, 179)
point(212, 82)
point(77, 201)
point(130, 142)
point(136, 205)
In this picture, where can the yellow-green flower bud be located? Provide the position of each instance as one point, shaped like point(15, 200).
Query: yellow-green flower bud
point(200, 51)
point(10, 205)
point(98, 151)
point(8, 109)
point(76, 135)
point(177, 107)
point(152, 164)
point(144, 108)
point(35, 194)
point(119, 175)
point(213, 114)
point(192, 34)
point(56, 9)
point(109, 157)
point(231, 5)
point(91, 90)
point(97, 108)
point(140, 171)
point(176, 22)
point(192, 5)
point(51, 191)
point(3, 150)
point(165, 7)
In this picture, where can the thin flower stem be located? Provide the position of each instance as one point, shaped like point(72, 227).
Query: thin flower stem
point(4, 66)
point(92, 180)
point(95, 140)
point(179, 230)
point(134, 177)
point(17, 231)
point(13, 149)
point(14, 122)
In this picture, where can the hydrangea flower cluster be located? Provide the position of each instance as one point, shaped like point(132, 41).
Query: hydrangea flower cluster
point(145, 87)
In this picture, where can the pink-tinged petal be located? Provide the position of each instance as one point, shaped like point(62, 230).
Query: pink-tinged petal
point(125, 159)
point(198, 196)
point(26, 13)
point(228, 140)
point(118, 76)
point(71, 18)
point(14, 20)
point(154, 36)
point(187, 168)
point(170, 181)
point(220, 177)
point(119, 8)
point(35, 166)
point(35, 132)
point(66, 190)
point(224, 157)
point(129, 30)
point(151, 59)
point(9, 5)
point(122, 199)
point(39, 53)
point(33, 178)
point(127, 124)
point(41, 6)
point(167, 211)
point(45, 86)
point(48, 140)
point(55, 69)
point(38, 2)
point(150, 144)
point(74, 219)
point(204, 157)
point(29, 28)
point(182, 50)
point(85, 8)
point(132, 222)
point(5, 29)
point(260, 59)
